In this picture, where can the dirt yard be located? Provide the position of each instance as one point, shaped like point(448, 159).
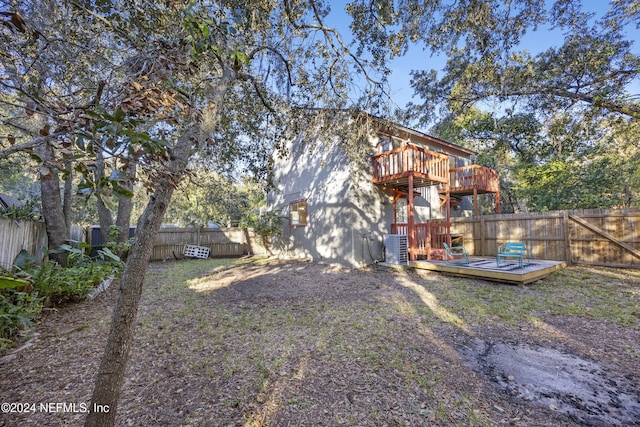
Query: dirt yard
point(274, 343)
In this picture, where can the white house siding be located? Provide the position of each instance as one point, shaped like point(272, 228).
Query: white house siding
point(347, 214)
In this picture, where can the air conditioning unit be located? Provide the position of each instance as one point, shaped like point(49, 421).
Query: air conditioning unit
point(396, 249)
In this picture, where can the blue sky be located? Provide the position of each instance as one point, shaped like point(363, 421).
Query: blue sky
point(419, 59)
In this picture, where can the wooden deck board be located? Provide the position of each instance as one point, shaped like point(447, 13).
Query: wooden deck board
point(486, 268)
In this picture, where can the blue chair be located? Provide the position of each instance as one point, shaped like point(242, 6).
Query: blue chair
point(516, 250)
point(456, 252)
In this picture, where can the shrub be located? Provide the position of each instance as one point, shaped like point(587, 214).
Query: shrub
point(268, 225)
point(23, 294)
point(121, 249)
point(58, 285)
point(52, 285)
point(18, 309)
point(27, 211)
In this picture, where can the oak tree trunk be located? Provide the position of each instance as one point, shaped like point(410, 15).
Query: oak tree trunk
point(125, 205)
point(52, 209)
point(104, 213)
point(111, 372)
point(68, 194)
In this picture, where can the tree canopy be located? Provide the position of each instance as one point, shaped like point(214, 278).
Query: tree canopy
point(559, 116)
point(92, 88)
point(587, 73)
point(154, 83)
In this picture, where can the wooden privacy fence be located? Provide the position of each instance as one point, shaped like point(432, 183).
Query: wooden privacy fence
point(16, 235)
point(222, 242)
point(605, 237)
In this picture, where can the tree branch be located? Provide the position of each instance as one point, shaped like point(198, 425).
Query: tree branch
point(27, 145)
point(278, 54)
point(632, 111)
point(332, 36)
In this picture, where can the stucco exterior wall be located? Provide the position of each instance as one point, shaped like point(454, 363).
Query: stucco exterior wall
point(347, 214)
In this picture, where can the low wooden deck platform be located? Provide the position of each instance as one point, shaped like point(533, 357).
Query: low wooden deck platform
point(487, 269)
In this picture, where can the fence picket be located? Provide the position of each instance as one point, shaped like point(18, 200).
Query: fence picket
point(552, 235)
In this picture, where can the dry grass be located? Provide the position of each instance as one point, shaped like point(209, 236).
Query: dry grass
point(256, 342)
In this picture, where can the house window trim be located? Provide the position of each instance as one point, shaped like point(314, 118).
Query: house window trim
point(297, 202)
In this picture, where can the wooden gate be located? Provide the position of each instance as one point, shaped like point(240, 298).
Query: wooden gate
point(604, 237)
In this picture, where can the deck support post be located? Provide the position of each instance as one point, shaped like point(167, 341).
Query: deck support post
point(475, 201)
point(410, 222)
point(394, 228)
point(428, 238)
point(448, 204)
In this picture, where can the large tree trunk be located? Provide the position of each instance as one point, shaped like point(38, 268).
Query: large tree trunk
point(68, 194)
point(125, 205)
point(104, 213)
point(106, 392)
point(112, 367)
point(52, 209)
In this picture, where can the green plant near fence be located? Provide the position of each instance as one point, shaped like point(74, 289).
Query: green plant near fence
point(57, 284)
point(18, 310)
point(18, 306)
point(27, 211)
point(267, 226)
point(30, 287)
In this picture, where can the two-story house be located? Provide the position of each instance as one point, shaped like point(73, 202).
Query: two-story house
point(338, 214)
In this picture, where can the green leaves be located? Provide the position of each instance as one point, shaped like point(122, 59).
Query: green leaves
point(238, 59)
point(10, 282)
point(118, 132)
point(202, 32)
point(589, 71)
point(551, 115)
point(268, 225)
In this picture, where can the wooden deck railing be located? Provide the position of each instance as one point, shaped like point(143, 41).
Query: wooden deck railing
point(480, 177)
point(400, 162)
point(431, 232)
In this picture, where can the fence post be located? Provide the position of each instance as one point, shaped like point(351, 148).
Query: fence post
point(567, 239)
point(482, 235)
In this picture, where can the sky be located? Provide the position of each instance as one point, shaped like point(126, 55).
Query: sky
point(419, 59)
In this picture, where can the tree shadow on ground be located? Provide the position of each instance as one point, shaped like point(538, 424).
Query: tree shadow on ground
point(279, 343)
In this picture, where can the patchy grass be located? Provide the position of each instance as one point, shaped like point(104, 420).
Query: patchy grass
point(602, 294)
point(299, 357)
point(253, 342)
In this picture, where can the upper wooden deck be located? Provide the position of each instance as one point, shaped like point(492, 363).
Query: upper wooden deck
point(467, 179)
point(425, 166)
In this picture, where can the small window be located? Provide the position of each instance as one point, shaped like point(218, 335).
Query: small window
point(401, 211)
point(298, 213)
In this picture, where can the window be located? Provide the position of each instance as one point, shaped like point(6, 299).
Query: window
point(298, 213)
point(401, 211)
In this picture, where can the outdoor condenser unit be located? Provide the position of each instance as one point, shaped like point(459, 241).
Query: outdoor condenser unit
point(396, 249)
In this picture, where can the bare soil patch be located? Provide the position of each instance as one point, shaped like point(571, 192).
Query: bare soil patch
point(279, 343)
